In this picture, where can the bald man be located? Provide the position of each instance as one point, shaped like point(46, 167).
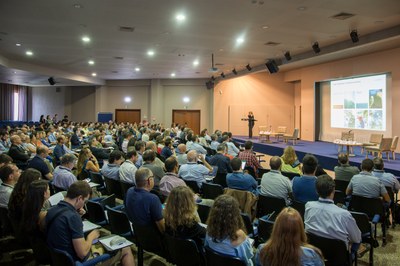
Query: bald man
point(181, 155)
point(191, 171)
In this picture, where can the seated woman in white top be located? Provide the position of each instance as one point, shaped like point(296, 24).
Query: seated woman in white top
point(288, 243)
point(225, 230)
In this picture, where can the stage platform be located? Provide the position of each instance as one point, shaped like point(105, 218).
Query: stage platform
point(326, 152)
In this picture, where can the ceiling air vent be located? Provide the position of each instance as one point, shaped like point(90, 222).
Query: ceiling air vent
point(272, 43)
point(118, 57)
point(126, 29)
point(342, 16)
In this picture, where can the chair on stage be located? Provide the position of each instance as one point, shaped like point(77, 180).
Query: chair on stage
point(374, 140)
point(280, 132)
point(394, 147)
point(293, 137)
point(384, 147)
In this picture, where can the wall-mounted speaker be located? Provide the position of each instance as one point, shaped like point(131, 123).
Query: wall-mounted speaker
point(210, 85)
point(272, 66)
point(51, 81)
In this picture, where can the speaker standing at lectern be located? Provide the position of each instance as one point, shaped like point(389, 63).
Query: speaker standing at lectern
point(250, 118)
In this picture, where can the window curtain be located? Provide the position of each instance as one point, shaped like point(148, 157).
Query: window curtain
point(7, 101)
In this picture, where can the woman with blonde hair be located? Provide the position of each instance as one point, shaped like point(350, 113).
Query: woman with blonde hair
point(290, 162)
point(181, 218)
point(225, 230)
point(288, 243)
point(86, 162)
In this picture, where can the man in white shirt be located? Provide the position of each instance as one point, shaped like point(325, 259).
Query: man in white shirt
point(9, 174)
point(128, 169)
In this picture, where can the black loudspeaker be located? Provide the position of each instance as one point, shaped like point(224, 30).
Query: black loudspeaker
point(272, 66)
point(354, 36)
point(210, 85)
point(51, 81)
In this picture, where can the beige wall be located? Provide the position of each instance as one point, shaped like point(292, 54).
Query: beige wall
point(296, 88)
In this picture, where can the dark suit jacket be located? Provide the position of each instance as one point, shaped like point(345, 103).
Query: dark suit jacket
point(19, 155)
point(100, 154)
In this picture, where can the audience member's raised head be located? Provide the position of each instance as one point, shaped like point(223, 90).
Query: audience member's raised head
point(131, 155)
point(42, 151)
point(5, 159)
point(192, 156)
point(144, 178)
point(343, 159)
point(275, 163)
point(287, 238)
point(367, 165)
point(16, 140)
point(79, 189)
point(151, 146)
point(9, 174)
point(248, 145)
point(171, 164)
point(214, 137)
point(325, 186)
point(225, 138)
point(236, 164)
point(180, 208)
point(289, 155)
point(182, 148)
point(310, 163)
point(140, 146)
point(149, 156)
point(221, 148)
point(224, 219)
point(68, 160)
point(378, 163)
point(116, 157)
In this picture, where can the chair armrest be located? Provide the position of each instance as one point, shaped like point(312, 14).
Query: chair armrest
point(94, 261)
point(376, 218)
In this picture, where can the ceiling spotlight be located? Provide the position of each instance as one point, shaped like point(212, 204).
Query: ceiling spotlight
point(172, 74)
point(150, 53)
point(94, 74)
point(18, 44)
point(91, 62)
point(240, 40)
point(248, 67)
point(316, 48)
point(186, 99)
point(234, 71)
point(137, 69)
point(354, 36)
point(222, 75)
point(180, 17)
point(30, 53)
point(287, 56)
point(127, 99)
point(85, 39)
point(196, 62)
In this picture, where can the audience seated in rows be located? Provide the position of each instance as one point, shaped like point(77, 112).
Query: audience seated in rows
point(304, 186)
point(241, 180)
point(225, 233)
point(367, 185)
point(128, 169)
point(17, 152)
point(9, 175)
point(249, 157)
point(288, 243)
point(143, 207)
point(192, 171)
point(345, 171)
point(65, 229)
point(99, 153)
point(274, 184)
point(323, 218)
point(193, 144)
point(159, 160)
point(111, 169)
point(289, 161)
point(63, 177)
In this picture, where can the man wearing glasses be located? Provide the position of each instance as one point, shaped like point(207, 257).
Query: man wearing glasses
point(143, 207)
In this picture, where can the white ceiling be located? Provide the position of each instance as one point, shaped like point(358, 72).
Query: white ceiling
point(52, 30)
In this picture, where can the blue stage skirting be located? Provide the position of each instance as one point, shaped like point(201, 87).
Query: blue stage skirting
point(326, 152)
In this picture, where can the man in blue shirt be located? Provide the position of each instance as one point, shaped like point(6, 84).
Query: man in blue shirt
point(239, 180)
point(65, 227)
point(59, 150)
point(220, 160)
point(111, 170)
point(39, 164)
point(387, 179)
point(143, 207)
point(304, 186)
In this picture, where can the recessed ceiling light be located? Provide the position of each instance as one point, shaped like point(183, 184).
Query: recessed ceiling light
point(30, 53)
point(302, 8)
point(150, 53)
point(239, 40)
point(196, 63)
point(127, 99)
point(91, 62)
point(180, 17)
point(186, 99)
point(137, 69)
point(94, 74)
point(85, 39)
point(265, 27)
point(172, 74)
point(221, 49)
point(78, 6)
point(18, 44)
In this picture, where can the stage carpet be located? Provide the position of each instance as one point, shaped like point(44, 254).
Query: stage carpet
point(326, 152)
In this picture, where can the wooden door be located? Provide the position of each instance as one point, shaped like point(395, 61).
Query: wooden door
point(127, 115)
point(189, 117)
